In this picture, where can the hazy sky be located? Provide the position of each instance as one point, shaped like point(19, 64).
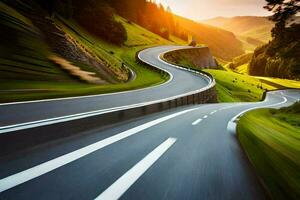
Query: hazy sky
point(204, 9)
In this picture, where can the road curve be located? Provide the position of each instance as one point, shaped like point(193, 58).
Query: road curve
point(183, 153)
point(189, 152)
point(181, 82)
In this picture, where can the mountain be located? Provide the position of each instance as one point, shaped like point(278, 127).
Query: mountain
point(223, 44)
point(251, 30)
point(160, 20)
point(244, 25)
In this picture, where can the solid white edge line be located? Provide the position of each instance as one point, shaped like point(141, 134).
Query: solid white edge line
point(196, 122)
point(49, 121)
point(120, 186)
point(36, 171)
point(96, 95)
point(99, 95)
point(231, 126)
point(291, 97)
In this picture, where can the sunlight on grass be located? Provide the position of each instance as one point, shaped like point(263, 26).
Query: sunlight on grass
point(283, 82)
point(271, 141)
point(233, 87)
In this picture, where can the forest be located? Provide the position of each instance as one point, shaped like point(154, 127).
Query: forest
point(148, 14)
point(281, 56)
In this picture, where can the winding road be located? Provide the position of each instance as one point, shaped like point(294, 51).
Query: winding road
point(180, 84)
point(189, 152)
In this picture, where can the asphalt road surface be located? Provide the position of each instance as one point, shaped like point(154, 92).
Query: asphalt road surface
point(181, 82)
point(190, 152)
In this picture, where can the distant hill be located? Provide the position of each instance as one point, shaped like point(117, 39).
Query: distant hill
point(244, 25)
point(247, 28)
point(222, 43)
point(160, 20)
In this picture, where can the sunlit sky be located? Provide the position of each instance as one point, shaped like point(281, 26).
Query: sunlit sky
point(205, 9)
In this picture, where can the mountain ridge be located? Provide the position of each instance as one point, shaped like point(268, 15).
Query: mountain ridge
point(223, 44)
point(258, 27)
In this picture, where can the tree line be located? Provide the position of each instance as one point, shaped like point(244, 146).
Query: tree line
point(150, 15)
point(281, 56)
point(98, 17)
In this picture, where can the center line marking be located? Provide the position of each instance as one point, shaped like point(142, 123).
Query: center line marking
point(213, 112)
point(43, 168)
point(120, 186)
point(196, 122)
point(205, 117)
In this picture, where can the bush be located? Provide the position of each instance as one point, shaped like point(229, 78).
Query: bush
point(294, 109)
point(193, 43)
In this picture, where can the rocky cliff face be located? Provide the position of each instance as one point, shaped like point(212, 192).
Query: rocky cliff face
point(198, 57)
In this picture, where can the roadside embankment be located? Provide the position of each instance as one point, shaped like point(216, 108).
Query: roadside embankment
point(195, 58)
point(270, 139)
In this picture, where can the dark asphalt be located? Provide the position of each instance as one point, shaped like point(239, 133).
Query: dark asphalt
point(206, 161)
point(182, 82)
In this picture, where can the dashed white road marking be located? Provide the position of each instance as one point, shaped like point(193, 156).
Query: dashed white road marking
point(36, 171)
point(213, 112)
point(205, 117)
point(196, 122)
point(120, 186)
point(66, 118)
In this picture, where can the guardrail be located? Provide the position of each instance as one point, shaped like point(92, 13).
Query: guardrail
point(23, 136)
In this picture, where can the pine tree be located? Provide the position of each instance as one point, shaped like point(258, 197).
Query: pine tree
point(283, 11)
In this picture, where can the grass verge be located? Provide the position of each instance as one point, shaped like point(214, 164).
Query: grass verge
point(233, 87)
point(271, 141)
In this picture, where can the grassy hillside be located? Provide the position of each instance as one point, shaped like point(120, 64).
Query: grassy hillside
point(249, 43)
point(223, 44)
point(271, 140)
point(240, 63)
point(261, 33)
point(27, 72)
point(23, 53)
point(233, 87)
